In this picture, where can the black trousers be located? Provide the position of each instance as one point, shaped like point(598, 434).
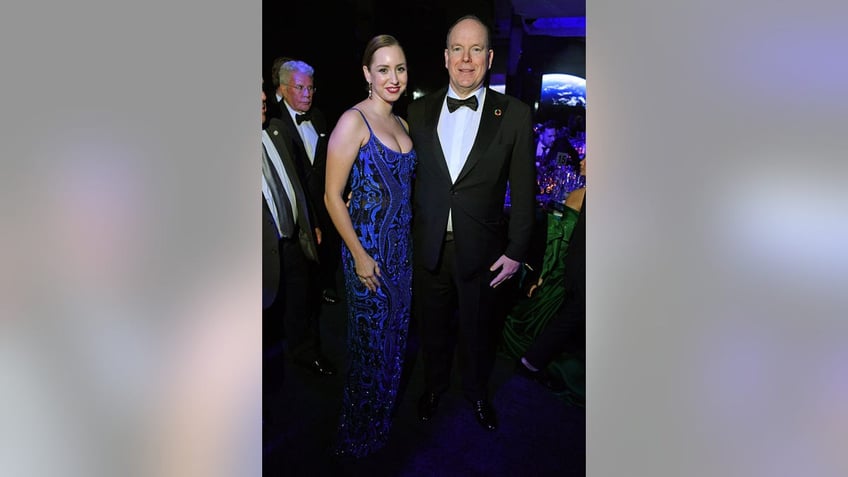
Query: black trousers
point(330, 254)
point(300, 298)
point(456, 315)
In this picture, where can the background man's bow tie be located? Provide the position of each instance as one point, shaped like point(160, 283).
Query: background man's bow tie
point(454, 104)
point(307, 116)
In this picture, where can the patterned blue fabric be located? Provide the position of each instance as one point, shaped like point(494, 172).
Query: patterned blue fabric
point(381, 211)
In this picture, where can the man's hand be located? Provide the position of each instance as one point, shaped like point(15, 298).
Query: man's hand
point(508, 268)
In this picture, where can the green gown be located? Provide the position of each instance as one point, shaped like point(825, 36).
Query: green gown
point(529, 316)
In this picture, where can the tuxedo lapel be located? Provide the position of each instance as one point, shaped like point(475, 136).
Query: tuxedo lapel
point(319, 122)
point(293, 132)
point(494, 110)
point(431, 123)
point(312, 171)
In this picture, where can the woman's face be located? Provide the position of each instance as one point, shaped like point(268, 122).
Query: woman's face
point(387, 73)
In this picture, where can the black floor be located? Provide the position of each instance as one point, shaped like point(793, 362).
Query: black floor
point(539, 433)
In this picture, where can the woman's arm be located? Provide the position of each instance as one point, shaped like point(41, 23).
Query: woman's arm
point(347, 137)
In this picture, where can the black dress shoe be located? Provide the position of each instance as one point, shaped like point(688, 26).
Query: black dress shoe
point(320, 366)
point(329, 295)
point(485, 415)
point(427, 405)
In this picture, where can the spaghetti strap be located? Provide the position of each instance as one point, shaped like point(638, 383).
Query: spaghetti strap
point(397, 118)
point(401, 123)
point(366, 121)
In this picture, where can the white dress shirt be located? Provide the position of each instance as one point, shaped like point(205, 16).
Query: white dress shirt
point(307, 132)
point(457, 132)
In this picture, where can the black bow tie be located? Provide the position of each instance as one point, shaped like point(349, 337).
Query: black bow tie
point(307, 116)
point(454, 104)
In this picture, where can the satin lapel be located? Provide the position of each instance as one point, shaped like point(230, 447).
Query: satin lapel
point(320, 124)
point(431, 118)
point(490, 122)
point(293, 131)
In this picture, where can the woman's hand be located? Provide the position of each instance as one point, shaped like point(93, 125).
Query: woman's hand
point(368, 272)
point(533, 287)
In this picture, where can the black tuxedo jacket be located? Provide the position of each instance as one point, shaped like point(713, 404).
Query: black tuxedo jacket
point(305, 206)
point(312, 173)
point(503, 151)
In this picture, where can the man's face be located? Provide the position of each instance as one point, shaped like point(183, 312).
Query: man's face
point(467, 57)
point(298, 92)
point(549, 136)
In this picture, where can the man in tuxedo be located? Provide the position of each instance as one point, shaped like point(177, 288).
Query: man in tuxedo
point(306, 132)
point(471, 141)
point(555, 148)
point(288, 213)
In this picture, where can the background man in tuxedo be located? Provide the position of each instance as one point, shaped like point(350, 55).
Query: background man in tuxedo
point(554, 147)
point(306, 131)
point(463, 241)
point(288, 213)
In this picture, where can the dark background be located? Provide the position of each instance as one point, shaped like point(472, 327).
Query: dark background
point(330, 35)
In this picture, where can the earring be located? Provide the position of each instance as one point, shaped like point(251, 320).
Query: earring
point(369, 90)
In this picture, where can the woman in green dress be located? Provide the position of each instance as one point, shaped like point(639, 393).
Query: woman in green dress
point(532, 312)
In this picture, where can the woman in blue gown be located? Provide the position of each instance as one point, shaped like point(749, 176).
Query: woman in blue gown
point(370, 151)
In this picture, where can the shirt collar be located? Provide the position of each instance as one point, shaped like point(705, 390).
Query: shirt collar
point(292, 112)
point(480, 93)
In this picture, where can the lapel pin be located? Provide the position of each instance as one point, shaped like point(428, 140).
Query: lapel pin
point(498, 112)
point(276, 132)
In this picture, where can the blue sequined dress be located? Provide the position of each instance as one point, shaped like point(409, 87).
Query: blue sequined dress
point(381, 213)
